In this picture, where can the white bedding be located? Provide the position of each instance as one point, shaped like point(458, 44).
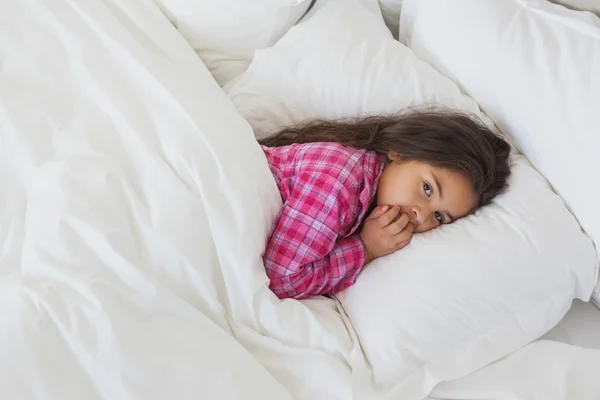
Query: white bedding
point(561, 365)
point(596, 294)
point(131, 233)
point(541, 370)
point(580, 327)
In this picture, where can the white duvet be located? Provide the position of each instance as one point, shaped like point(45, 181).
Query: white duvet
point(135, 206)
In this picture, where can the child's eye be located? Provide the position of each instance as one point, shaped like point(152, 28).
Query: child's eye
point(439, 217)
point(427, 189)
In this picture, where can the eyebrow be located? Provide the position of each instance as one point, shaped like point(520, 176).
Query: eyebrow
point(439, 188)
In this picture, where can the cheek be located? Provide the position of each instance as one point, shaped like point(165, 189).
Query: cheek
point(383, 198)
point(394, 194)
point(398, 188)
point(427, 226)
point(385, 193)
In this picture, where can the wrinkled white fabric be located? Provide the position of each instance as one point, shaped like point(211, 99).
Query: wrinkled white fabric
point(135, 207)
point(225, 33)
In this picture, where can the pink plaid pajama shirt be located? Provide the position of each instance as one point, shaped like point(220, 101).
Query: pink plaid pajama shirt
point(327, 189)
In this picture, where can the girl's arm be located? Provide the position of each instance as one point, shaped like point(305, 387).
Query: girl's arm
point(303, 257)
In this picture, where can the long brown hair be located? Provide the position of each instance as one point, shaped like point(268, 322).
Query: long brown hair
point(441, 137)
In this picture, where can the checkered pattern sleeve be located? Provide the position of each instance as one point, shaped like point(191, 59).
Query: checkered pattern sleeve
point(304, 255)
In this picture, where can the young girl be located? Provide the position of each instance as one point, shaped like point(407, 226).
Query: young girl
point(357, 190)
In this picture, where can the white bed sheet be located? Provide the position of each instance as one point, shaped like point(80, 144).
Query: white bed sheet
point(596, 295)
point(545, 369)
point(560, 365)
point(579, 327)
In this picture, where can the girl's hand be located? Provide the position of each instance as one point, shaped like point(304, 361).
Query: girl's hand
point(383, 234)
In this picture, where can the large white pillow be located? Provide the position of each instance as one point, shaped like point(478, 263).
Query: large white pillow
point(539, 81)
point(225, 33)
point(456, 298)
point(312, 73)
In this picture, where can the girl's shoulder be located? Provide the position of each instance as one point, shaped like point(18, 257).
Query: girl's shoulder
point(330, 152)
point(340, 163)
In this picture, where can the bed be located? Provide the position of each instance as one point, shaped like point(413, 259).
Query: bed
point(136, 206)
point(579, 327)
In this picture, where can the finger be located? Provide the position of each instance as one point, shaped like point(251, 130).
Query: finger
point(389, 216)
point(405, 237)
point(378, 212)
point(403, 243)
point(398, 225)
point(405, 233)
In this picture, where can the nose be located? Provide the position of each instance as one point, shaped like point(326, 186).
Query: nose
point(415, 215)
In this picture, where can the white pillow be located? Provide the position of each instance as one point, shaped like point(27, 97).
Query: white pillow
point(225, 33)
point(540, 82)
point(456, 298)
point(312, 73)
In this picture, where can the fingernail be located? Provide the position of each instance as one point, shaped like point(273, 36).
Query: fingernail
point(384, 208)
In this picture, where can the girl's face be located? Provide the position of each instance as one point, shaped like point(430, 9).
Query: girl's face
point(430, 196)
